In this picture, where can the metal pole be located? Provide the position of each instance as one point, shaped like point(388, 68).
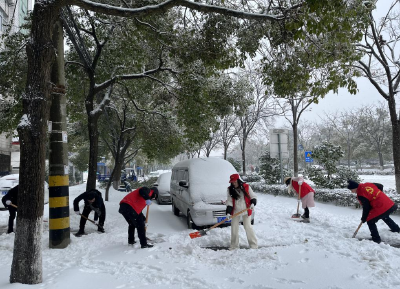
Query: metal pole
point(280, 156)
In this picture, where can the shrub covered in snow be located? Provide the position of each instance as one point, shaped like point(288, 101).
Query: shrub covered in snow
point(336, 177)
point(338, 197)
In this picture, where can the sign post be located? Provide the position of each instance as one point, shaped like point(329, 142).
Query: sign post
point(279, 146)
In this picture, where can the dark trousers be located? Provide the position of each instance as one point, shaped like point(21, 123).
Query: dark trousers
point(86, 212)
point(386, 218)
point(13, 213)
point(135, 221)
point(306, 212)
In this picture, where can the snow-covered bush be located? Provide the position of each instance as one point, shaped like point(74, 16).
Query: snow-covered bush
point(335, 177)
point(338, 197)
point(236, 164)
point(270, 169)
point(253, 177)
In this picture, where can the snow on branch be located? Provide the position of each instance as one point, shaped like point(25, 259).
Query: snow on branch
point(165, 6)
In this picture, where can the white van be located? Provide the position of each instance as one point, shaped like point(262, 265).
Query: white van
point(10, 181)
point(199, 189)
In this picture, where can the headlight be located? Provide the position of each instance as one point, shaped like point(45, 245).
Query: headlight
point(200, 213)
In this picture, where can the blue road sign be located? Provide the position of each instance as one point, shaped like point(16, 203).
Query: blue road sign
point(308, 155)
point(101, 164)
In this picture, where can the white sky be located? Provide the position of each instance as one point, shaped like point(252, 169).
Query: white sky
point(319, 255)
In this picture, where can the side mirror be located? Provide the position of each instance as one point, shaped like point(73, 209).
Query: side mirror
point(183, 184)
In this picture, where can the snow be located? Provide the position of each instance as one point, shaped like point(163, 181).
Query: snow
point(318, 255)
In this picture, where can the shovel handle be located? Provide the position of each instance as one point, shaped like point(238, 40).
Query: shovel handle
point(90, 220)
point(147, 217)
point(358, 228)
point(13, 205)
point(225, 220)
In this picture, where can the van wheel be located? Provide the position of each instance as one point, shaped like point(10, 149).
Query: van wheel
point(190, 223)
point(175, 210)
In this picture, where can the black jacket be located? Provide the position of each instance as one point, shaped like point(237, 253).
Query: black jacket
point(96, 205)
point(11, 195)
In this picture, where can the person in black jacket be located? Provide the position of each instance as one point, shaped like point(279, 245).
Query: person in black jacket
point(11, 198)
point(93, 201)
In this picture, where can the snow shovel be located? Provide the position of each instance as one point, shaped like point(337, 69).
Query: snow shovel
point(298, 215)
point(355, 233)
point(201, 233)
point(90, 221)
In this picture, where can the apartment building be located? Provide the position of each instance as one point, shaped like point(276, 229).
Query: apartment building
point(12, 12)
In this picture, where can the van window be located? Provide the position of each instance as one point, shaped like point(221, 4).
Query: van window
point(181, 175)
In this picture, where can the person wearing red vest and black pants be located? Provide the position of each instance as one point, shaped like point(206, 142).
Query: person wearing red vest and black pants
point(376, 205)
point(131, 207)
point(240, 196)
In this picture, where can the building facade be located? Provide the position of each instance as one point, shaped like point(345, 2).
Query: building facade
point(12, 12)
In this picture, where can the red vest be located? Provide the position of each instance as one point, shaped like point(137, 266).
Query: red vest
point(380, 203)
point(305, 188)
point(135, 200)
point(246, 199)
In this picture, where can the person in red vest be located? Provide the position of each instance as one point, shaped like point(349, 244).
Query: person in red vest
point(376, 205)
point(131, 207)
point(240, 196)
point(307, 194)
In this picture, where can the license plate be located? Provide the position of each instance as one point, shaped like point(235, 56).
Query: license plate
point(4, 193)
point(220, 219)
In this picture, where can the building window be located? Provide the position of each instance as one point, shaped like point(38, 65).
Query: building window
point(1, 22)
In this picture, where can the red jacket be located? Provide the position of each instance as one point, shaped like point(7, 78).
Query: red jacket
point(136, 200)
point(305, 188)
point(379, 201)
point(246, 199)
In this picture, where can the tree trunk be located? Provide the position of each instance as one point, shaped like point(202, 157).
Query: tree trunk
point(26, 265)
point(295, 161)
point(225, 152)
point(93, 151)
point(244, 156)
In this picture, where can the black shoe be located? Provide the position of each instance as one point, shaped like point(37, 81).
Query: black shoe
point(101, 229)
point(395, 231)
point(9, 232)
point(131, 243)
point(147, 246)
point(80, 233)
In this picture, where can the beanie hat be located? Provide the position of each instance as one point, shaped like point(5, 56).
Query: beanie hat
point(352, 185)
point(234, 178)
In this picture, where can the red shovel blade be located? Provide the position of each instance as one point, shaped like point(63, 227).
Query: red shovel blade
point(197, 234)
point(296, 215)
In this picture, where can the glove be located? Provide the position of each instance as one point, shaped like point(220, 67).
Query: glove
point(300, 182)
point(148, 202)
point(251, 206)
point(77, 212)
point(8, 202)
point(96, 223)
point(363, 220)
point(253, 202)
point(228, 216)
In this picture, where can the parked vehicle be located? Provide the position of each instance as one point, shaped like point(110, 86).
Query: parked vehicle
point(10, 181)
point(163, 184)
point(199, 190)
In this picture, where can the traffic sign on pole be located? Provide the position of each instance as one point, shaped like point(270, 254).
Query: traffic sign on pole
point(308, 155)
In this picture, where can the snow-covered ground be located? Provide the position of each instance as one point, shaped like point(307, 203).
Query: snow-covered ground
point(318, 255)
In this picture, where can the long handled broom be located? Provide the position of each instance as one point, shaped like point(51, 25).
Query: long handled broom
point(202, 233)
point(298, 215)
